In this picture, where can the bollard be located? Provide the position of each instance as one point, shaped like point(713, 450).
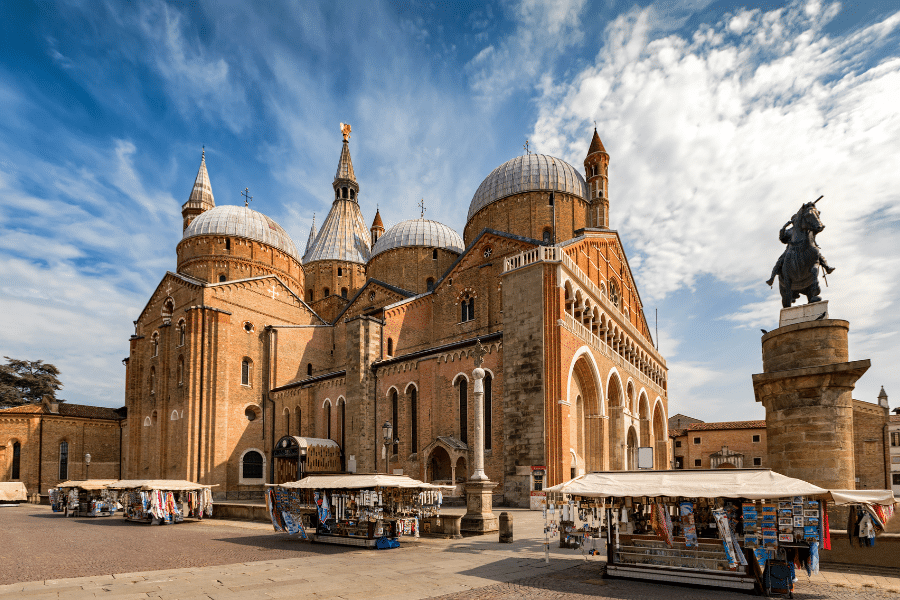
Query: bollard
point(506, 528)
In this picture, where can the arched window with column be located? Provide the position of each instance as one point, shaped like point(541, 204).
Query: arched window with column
point(64, 461)
point(414, 420)
point(328, 419)
point(488, 410)
point(16, 460)
point(341, 415)
point(395, 418)
point(463, 384)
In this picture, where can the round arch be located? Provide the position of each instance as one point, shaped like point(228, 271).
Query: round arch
point(595, 372)
point(458, 375)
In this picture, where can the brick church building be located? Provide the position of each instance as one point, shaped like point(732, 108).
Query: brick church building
point(250, 343)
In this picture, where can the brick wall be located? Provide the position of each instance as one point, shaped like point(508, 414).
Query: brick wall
point(869, 421)
point(712, 440)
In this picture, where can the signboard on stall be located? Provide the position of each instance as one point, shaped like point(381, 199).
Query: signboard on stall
point(645, 457)
point(538, 495)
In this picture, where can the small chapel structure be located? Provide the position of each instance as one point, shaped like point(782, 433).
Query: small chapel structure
point(251, 344)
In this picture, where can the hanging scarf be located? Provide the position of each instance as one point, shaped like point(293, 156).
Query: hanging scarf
point(732, 550)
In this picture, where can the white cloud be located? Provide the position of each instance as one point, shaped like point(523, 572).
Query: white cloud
point(716, 138)
point(544, 30)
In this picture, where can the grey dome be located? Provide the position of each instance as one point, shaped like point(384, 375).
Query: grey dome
point(419, 232)
point(529, 173)
point(240, 221)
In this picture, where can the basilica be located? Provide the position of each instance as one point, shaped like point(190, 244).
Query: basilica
point(255, 360)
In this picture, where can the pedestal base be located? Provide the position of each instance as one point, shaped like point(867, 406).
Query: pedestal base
point(479, 518)
point(814, 311)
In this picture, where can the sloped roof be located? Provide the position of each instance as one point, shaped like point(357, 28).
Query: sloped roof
point(596, 144)
point(66, 409)
point(727, 425)
point(343, 235)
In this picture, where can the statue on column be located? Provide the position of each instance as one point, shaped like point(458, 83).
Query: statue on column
point(797, 268)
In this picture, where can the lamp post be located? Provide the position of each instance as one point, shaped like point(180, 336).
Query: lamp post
point(87, 466)
point(388, 433)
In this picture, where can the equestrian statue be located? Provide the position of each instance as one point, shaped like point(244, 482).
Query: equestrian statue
point(798, 266)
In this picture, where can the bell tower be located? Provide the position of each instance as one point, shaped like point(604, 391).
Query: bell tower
point(596, 170)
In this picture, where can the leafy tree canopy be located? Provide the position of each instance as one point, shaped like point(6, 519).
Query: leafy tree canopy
point(27, 382)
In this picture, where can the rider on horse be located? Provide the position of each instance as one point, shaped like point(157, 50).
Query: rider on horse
point(787, 237)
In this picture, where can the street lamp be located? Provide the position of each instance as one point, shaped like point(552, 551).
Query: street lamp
point(87, 466)
point(388, 433)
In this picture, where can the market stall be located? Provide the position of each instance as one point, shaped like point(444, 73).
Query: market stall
point(720, 528)
point(83, 498)
point(356, 510)
point(12, 492)
point(162, 501)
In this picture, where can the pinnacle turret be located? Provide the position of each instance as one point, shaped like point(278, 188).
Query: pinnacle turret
point(377, 228)
point(345, 184)
point(201, 198)
point(312, 236)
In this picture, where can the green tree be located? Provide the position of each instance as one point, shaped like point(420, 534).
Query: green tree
point(27, 382)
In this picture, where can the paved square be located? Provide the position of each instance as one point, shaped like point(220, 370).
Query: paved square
point(45, 555)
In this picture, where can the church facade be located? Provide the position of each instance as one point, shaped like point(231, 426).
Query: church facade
point(250, 343)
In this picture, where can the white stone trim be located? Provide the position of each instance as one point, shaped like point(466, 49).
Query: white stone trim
point(244, 481)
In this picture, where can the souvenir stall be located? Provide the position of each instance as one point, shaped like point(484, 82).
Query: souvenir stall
point(85, 498)
point(12, 492)
point(356, 510)
point(162, 501)
point(735, 528)
point(869, 511)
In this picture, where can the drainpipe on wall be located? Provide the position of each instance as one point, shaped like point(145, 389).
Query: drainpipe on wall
point(40, 454)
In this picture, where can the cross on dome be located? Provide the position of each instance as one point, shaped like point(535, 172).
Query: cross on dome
point(247, 196)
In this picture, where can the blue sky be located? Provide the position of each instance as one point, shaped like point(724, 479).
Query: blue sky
point(721, 118)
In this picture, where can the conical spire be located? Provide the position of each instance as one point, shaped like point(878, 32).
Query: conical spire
point(345, 184)
point(201, 199)
point(345, 165)
point(202, 192)
point(596, 144)
point(312, 236)
point(377, 222)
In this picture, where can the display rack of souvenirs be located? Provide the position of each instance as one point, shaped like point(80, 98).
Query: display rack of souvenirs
point(162, 502)
point(86, 498)
point(358, 513)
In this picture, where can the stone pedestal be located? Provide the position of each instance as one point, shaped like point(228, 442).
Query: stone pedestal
point(806, 387)
point(814, 311)
point(479, 518)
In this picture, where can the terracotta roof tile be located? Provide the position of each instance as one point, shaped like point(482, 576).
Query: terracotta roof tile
point(677, 432)
point(727, 425)
point(596, 144)
point(68, 410)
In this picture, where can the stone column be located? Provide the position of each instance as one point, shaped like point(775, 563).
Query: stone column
point(478, 461)
point(806, 387)
point(479, 518)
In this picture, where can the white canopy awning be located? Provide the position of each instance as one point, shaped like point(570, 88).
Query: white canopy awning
point(723, 483)
point(87, 484)
point(168, 485)
point(884, 497)
point(359, 482)
point(13, 491)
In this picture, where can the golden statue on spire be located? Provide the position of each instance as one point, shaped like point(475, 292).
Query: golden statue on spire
point(345, 129)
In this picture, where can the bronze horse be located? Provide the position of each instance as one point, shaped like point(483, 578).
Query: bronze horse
point(798, 267)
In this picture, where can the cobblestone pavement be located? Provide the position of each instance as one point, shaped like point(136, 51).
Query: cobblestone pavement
point(585, 582)
point(60, 547)
point(47, 556)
